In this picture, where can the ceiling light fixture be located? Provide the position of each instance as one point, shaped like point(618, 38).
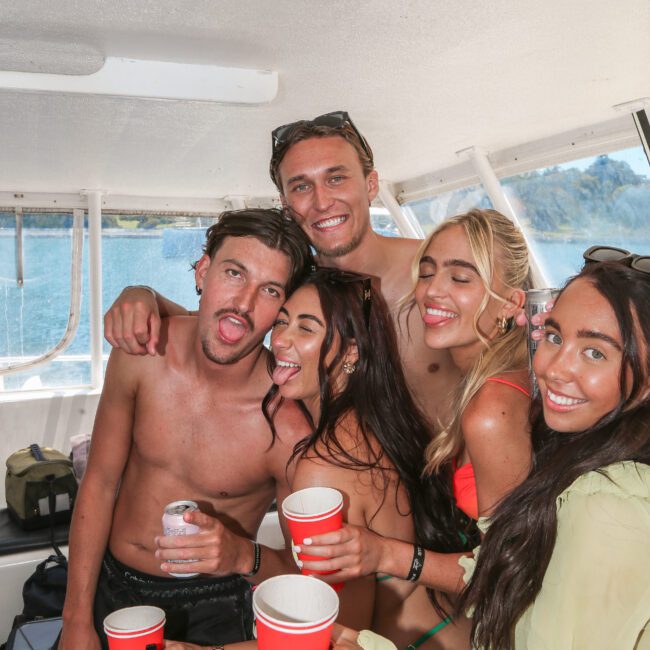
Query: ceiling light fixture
point(120, 77)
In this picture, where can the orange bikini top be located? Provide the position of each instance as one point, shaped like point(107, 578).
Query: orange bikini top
point(464, 481)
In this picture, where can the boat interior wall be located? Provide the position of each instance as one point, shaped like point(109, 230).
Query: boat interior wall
point(50, 420)
point(422, 79)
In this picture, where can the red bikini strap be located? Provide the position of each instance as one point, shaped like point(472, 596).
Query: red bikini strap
point(497, 380)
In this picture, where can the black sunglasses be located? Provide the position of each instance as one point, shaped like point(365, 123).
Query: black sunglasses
point(335, 120)
point(613, 254)
point(335, 276)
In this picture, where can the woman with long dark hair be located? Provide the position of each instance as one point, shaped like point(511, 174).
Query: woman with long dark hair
point(335, 350)
point(565, 562)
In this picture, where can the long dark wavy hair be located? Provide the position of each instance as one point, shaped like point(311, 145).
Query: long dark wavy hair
point(519, 543)
point(378, 397)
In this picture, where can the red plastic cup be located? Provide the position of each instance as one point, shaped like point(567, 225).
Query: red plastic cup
point(135, 628)
point(313, 511)
point(294, 612)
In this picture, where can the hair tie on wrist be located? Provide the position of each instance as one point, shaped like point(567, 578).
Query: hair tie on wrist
point(257, 561)
point(416, 564)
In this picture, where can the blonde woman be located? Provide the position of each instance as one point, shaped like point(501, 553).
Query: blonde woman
point(470, 278)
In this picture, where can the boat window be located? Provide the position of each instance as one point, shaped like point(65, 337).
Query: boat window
point(152, 249)
point(35, 314)
point(156, 250)
point(431, 211)
point(566, 208)
point(383, 223)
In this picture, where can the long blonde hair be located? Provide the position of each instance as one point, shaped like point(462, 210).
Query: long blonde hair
point(491, 236)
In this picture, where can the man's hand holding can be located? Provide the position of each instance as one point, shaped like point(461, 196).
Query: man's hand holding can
point(213, 550)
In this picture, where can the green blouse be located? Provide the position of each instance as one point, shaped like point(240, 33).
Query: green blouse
point(596, 590)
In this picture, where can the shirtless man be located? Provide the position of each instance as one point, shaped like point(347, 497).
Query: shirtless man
point(186, 423)
point(324, 171)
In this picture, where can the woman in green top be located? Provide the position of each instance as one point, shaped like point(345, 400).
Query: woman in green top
point(565, 562)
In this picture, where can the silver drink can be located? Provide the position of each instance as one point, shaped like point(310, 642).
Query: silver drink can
point(174, 524)
point(536, 300)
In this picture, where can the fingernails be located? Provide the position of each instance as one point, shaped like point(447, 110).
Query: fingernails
point(297, 549)
point(299, 563)
point(307, 541)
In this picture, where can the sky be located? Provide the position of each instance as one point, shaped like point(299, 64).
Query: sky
point(634, 157)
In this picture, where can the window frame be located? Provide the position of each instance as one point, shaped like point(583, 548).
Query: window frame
point(604, 138)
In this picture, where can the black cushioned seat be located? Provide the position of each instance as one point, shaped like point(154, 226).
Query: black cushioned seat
point(13, 539)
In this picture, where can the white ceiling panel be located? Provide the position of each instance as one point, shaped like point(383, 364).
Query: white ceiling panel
point(422, 80)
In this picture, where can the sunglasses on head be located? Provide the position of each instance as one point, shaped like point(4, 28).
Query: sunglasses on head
point(335, 120)
point(613, 254)
point(335, 276)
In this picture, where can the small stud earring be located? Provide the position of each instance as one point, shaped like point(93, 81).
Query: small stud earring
point(349, 367)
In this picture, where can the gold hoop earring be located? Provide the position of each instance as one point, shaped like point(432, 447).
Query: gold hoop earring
point(504, 325)
point(349, 367)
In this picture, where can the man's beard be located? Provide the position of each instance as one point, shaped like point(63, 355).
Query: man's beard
point(343, 249)
point(337, 251)
point(227, 360)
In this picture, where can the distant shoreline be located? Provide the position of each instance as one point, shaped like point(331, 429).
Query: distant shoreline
point(536, 237)
point(106, 232)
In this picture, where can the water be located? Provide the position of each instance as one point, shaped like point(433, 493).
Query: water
point(33, 318)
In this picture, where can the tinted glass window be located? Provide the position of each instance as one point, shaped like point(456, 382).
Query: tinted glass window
point(430, 212)
point(33, 317)
point(154, 250)
point(383, 223)
point(567, 208)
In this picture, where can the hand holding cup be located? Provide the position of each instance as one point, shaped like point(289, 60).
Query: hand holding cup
point(309, 512)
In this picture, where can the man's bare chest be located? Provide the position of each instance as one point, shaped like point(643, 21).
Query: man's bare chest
point(216, 443)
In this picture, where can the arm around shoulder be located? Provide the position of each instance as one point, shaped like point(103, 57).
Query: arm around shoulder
point(132, 322)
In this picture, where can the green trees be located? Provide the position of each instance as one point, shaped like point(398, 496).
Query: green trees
point(553, 202)
point(607, 194)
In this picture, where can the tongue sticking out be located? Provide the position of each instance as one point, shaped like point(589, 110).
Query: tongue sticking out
point(282, 374)
point(231, 330)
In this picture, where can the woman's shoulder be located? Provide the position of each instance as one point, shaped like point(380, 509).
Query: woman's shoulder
point(625, 479)
point(500, 399)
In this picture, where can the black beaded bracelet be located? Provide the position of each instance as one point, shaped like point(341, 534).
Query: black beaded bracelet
point(257, 560)
point(417, 564)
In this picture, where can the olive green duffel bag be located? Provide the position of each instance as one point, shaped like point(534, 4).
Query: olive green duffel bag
point(39, 481)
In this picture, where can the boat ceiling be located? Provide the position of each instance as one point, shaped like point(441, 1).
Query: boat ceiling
point(422, 80)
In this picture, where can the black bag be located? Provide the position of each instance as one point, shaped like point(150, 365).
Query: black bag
point(44, 590)
point(43, 598)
